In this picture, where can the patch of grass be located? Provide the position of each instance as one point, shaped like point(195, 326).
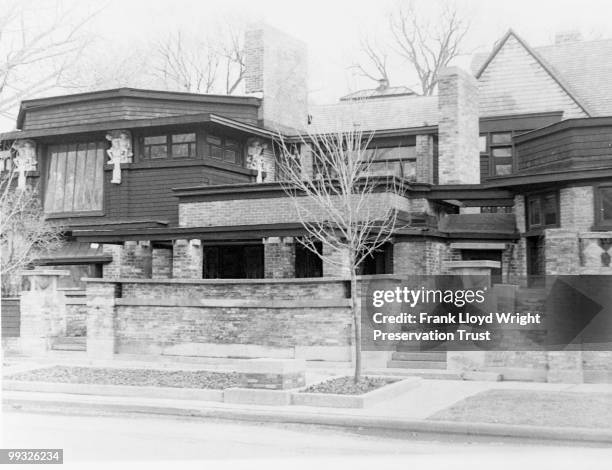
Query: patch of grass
point(137, 377)
point(347, 385)
point(537, 408)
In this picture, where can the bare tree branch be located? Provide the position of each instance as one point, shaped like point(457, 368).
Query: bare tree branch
point(426, 45)
point(24, 233)
point(345, 208)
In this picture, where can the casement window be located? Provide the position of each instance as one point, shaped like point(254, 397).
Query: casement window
point(156, 147)
point(224, 148)
point(393, 161)
point(542, 210)
point(499, 149)
point(75, 178)
point(603, 205)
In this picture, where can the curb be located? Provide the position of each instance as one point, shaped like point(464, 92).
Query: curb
point(338, 420)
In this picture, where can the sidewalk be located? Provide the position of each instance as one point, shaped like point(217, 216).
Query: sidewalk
point(408, 412)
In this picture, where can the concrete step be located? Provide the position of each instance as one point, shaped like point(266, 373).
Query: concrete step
point(70, 343)
point(417, 364)
point(431, 374)
point(419, 356)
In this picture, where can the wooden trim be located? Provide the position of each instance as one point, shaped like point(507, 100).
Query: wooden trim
point(519, 122)
point(26, 105)
point(549, 177)
point(566, 124)
point(68, 215)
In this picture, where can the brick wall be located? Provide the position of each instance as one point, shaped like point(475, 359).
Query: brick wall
point(161, 263)
point(275, 210)
point(187, 259)
point(279, 257)
point(277, 68)
point(422, 256)
point(577, 208)
point(132, 259)
point(459, 155)
point(248, 319)
point(335, 262)
point(424, 159)
point(561, 251)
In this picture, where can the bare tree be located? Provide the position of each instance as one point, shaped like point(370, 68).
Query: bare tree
point(427, 45)
point(24, 233)
point(338, 208)
point(201, 65)
point(375, 66)
point(38, 45)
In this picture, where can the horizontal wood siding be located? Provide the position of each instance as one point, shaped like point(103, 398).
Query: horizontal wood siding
point(11, 318)
point(578, 148)
point(113, 109)
point(146, 193)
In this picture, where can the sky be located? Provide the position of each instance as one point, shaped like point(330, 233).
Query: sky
point(332, 28)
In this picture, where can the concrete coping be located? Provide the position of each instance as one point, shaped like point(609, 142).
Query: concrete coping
point(477, 246)
point(45, 272)
point(473, 264)
point(302, 280)
point(270, 366)
point(595, 235)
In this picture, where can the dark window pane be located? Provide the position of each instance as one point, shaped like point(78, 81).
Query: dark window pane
point(549, 205)
point(181, 150)
point(502, 152)
point(606, 203)
point(231, 143)
point(181, 138)
point(154, 140)
point(211, 139)
point(74, 180)
point(503, 169)
point(216, 152)
point(158, 151)
point(535, 217)
point(501, 138)
point(230, 156)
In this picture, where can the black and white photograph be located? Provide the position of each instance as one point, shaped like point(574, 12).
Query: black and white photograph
point(306, 234)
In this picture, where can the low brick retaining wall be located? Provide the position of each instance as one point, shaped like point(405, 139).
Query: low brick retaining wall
point(306, 319)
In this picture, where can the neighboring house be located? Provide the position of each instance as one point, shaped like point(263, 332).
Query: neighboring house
point(512, 165)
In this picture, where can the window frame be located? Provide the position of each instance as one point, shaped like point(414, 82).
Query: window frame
point(239, 148)
point(599, 221)
point(142, 151)
point(490, 147)
point(44, 168)
point(540, 197)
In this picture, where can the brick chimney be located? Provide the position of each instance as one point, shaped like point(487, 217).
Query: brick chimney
point(459, 155)
point(277, 70)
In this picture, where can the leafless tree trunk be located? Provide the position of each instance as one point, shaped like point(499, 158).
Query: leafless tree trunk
point(339, 208)
point(24, 232)
point(427, 45)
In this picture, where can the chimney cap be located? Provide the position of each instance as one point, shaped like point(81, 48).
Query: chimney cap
point(383, 84)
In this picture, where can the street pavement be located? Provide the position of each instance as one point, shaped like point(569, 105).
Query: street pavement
point(179, 441)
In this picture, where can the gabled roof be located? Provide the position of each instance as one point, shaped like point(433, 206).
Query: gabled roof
point(552, 71)
point(587, 67)
point(399, 112)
